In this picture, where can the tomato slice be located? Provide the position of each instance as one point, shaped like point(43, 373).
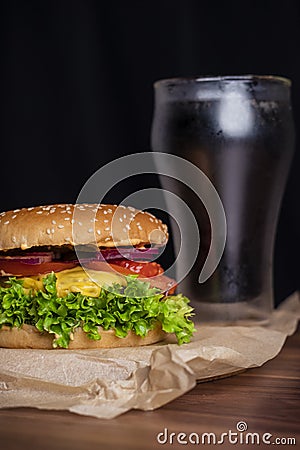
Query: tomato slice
point(21, 269)
point(150, 272)
point(146, 269)
point(127, 267)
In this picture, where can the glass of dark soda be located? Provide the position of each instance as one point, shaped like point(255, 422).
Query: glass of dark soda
point(238, 130)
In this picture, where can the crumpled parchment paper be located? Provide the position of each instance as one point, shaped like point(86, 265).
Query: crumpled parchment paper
point(108, 382)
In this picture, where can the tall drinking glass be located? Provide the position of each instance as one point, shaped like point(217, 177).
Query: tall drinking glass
point(239, 131)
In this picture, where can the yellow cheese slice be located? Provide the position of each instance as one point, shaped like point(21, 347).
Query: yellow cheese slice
point(88, 283)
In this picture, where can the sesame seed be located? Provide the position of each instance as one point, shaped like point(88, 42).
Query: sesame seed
point(72, 221)
point(6, 223)
point(107, 239)
point(80, 223)
point(14, 216)
point(63, 212)
point(52, 230)
point(107, 228)
point(139, 227)
point(120, 219)
point(109, 210)
point(98, 232)
point(52, 211)
point(30, 209)
point(39, 212)
point(127, 226)
point(54, 222)
point(60, 226)
point(48, 231)
point(67, 218)
point(105, 221)
point(67, 239)
point(14, 239)
point(124, 215)
point(151, 220)
point(105, 212)
point(15, 210)
point(90, 230)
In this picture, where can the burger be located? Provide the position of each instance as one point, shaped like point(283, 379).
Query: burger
point(85, 276)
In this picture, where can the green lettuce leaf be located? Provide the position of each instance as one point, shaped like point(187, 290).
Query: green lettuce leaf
point(138, 307)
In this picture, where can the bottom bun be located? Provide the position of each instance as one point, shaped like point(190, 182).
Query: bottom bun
point(29, 337)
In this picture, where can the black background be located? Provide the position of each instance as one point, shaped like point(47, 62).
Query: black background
point(77, 88)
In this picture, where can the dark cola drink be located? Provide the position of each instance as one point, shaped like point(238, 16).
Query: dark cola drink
point(239, 132)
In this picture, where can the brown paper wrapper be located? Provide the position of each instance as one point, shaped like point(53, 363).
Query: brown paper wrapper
point(107, 382)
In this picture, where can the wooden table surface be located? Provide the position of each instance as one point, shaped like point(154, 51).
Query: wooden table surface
point(266, 399)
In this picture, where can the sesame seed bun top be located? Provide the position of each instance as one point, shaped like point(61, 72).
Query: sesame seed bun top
point(81, 224)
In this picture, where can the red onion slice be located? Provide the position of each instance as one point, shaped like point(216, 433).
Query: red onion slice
point(29, 258)
point(110, 255)
point(133, 254)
